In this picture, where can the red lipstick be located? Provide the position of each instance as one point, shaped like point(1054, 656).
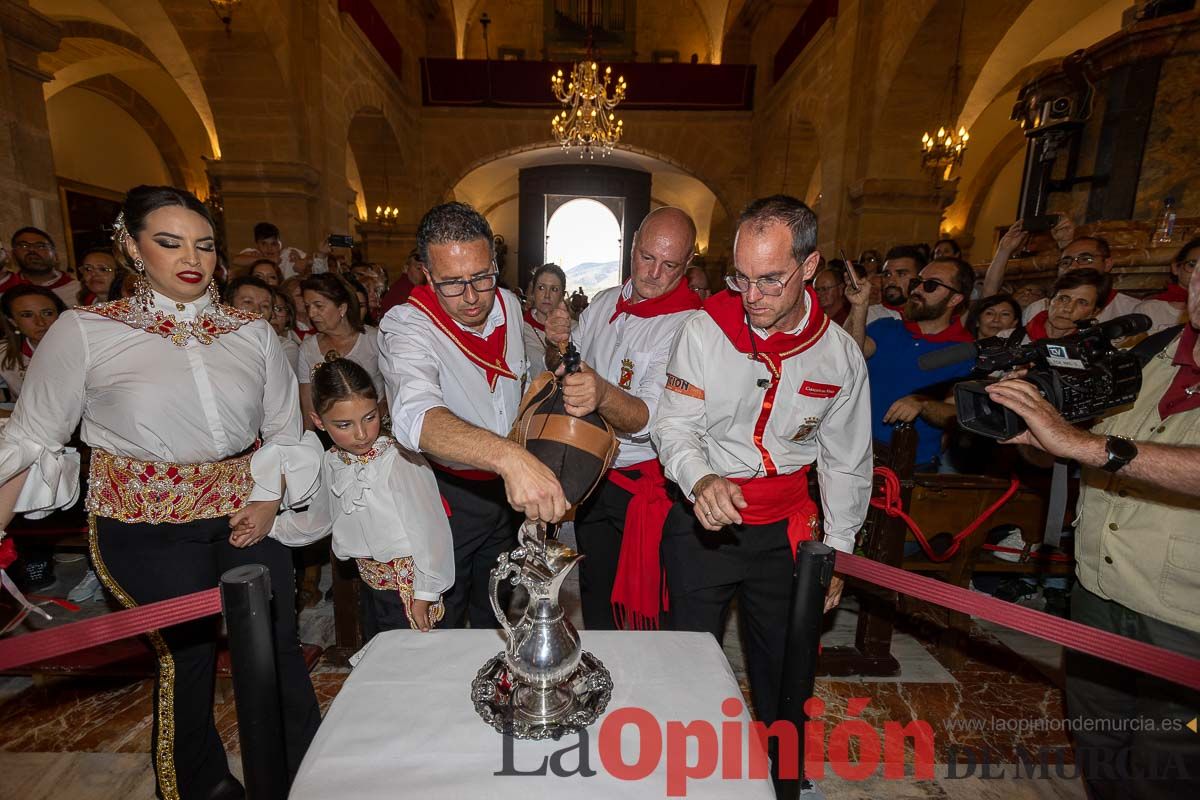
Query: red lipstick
point(189, 277)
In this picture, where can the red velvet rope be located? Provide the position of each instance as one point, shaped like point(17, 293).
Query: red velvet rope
point(1147, 658)
point(53, 642)
point(893, 507)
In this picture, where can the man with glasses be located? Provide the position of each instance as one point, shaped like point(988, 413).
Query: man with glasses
point(901, 391)
point(761, 388)
point(37, 265)
point(453, 356)
point(902, 265)
point(625, 336)
point(1088, 252)
point(1169, 307)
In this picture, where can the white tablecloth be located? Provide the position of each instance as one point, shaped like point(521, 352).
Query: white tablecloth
point(403, 725)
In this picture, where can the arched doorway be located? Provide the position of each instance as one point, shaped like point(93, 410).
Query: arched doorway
point(583, 236)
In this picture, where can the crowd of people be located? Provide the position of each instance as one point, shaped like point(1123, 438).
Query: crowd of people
point(337, 405)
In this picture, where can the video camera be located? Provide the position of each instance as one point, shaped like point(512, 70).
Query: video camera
point(1082, 375)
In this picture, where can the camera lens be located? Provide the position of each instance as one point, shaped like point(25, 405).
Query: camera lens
point(1060, 107)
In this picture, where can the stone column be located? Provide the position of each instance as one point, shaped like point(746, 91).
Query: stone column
point(885, 212)
point(281, 192)
point(28, 186)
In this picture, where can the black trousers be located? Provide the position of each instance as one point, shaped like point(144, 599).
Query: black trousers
point(707, 570)
point(1119, 755)
point(599, 530)
point(483, 525)
point(142, 563)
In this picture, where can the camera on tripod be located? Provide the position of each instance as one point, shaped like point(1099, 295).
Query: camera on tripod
point(1082, 375)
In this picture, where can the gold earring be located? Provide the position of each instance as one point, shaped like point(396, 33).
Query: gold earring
point(139, 265)
point(214, 293)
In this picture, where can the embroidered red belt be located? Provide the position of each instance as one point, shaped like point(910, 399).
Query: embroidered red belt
point(397, 576)
point(129, 490)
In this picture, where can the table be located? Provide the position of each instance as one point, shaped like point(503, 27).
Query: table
point(404, 726)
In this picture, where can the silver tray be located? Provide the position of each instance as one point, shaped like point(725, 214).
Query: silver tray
point(590, 686)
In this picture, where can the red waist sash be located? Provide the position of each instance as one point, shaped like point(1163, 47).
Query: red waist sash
point(771, 499)
point(639, 590)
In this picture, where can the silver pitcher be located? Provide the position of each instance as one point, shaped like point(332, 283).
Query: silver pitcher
point(542, 651)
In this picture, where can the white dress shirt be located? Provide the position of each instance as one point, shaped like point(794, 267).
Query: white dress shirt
point(424, 369)
point(1121, 304)
point(821, 415)
point(877, 311)
point(141, 396)
point(634, 348)
point(1161, 313)
point(365, 353)
point(14, 376)
point(386, 508)
point(291, 351)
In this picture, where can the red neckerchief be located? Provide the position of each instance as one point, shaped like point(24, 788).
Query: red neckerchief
point(727, 311)
point(681, 298)
point(1174, 293)
point(1176, 398)
point(528, 317)
point(10, 280)
point(17, 279)
point(303, 332)
point(954, 333)
point(89, 299)
point(486, 353)
point(899, 308)
point(1035, 329)
point(1112, 295)
point(840, 317)
point(26, 348)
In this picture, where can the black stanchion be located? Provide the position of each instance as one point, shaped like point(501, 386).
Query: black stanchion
point(814, 569)
point(246, 598)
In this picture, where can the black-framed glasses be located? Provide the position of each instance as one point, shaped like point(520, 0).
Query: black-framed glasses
point(1083, 260)
point(770, 287)
point(458, 286)
point(930, 285)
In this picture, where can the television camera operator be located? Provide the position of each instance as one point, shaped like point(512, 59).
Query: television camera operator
point(1137, 551)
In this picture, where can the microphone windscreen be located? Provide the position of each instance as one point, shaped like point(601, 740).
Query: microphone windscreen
point(948, 356)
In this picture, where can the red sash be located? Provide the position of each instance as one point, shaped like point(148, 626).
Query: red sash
point(681, 298)
point(487, 354)
point(1036, 327)
point(770, 499)
point(465, 474)
point(26, 349)
point(954, 333)
point(1174, 293)
point(640, 591)
point(528, 317)
point(302, 332)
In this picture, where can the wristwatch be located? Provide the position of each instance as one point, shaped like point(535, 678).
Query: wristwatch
point(1120, 451)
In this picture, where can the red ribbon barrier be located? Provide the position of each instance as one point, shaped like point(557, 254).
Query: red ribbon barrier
point(1143, 657)
point(53, 642)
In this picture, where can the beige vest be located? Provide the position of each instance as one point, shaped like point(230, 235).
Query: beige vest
point(1136, 544)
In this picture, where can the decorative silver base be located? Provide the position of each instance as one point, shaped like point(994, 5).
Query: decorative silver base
point(526, 712)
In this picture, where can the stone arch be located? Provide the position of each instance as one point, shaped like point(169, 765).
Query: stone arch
point(128, 100)
point(376, 151)
point(914, 94)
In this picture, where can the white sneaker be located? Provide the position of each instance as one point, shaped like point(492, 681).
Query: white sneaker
point(86, 589)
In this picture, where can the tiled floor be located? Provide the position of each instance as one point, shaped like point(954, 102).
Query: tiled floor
point(89, 738)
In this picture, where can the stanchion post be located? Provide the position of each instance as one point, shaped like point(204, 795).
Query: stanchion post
point(246, 598)
point(814, 569)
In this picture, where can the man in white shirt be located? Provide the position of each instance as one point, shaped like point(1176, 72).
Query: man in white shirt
point(625, 337)
point(761, 387)
point(37, 264)
point(453, 357)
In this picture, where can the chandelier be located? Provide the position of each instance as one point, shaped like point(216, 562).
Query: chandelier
point(224, 10)
point(587, 120)
point(386, 215)
point(943, 151)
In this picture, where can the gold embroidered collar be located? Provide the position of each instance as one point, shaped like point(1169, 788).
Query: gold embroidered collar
point(381, 446)
point(212, 321)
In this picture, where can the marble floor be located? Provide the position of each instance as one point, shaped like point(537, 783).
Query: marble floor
point(88, 738)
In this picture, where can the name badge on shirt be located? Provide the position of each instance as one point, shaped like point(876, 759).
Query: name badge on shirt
point(814, 389)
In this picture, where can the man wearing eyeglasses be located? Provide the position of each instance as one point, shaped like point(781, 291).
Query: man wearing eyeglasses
point(453, 356)
point(761, 388)
point(37, 265)
point(900, 390)
point(1088, 252)
point(625, 336)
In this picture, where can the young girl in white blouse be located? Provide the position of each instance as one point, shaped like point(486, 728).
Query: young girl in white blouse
point(381, 503)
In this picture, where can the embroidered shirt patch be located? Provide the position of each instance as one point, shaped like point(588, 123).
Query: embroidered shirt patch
point(814, 389)
point(626, 380)
point(680, 386)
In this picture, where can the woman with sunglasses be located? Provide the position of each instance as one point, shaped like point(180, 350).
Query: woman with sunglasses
point(334, 310)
